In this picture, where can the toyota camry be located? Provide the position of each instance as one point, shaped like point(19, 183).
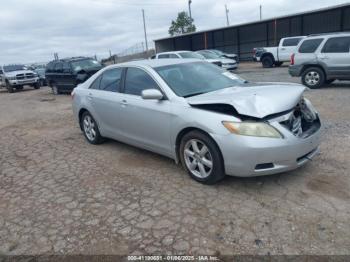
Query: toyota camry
point(211, 121)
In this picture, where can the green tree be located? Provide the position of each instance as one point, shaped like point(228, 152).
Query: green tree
point(183, 24)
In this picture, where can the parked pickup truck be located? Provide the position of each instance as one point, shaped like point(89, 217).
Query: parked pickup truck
point(275, 56)
point(16, 76)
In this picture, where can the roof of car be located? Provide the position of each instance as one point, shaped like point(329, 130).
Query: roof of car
point(174, 52)
point(159, 62)
point(70, 59)
point(329, 34)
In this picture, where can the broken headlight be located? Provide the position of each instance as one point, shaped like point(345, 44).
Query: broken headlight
point(258, 129)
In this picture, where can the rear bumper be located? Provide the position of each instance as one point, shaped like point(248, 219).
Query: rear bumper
point(256, 156)
point(295, 70)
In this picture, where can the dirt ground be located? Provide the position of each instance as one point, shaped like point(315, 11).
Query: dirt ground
point(59, 194)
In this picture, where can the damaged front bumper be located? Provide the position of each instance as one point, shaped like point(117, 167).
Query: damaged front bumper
point(256, 156)
point(246, 156)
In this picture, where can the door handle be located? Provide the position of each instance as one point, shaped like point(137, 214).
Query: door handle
point(283, 49)
point(124, 102)
point(324, 57)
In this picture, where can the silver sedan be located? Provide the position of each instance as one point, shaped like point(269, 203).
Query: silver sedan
point(209, 119)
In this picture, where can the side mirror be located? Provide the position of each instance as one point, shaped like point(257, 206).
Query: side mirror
point(154, 94)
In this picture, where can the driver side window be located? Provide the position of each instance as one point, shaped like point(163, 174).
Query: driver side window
point(137, 80)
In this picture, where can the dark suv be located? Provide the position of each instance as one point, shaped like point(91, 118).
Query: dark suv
point(65, 74)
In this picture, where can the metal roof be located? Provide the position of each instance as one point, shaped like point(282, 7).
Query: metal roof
point(258, 21)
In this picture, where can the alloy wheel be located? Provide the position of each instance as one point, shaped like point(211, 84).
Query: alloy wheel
point(198, 158)
point(89, 127)
point(312, 78)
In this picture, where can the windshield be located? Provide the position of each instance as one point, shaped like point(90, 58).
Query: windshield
point(11, 68)
point(209, 55)
point(218, 52)
point(190, 55)
point(190, 79)
point(86, 65)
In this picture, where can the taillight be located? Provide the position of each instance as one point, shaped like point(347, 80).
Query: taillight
point(72, 94)
point(292, 59)
point(254, 51)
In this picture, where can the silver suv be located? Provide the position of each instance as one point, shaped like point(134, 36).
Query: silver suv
point(321, 59)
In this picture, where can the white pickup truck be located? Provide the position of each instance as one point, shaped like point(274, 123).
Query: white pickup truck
point(16, 76)
point(275, 56)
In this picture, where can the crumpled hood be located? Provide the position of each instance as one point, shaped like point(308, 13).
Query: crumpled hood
point(254, 99)
point(14, 73)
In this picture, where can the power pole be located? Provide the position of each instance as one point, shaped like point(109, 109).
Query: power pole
point(189, 8)
point(227, 11)
point(260, 13)
point(144, 28)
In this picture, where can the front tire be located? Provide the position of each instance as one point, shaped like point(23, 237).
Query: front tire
point(201, 157)
point(55, 90)
point(90, 129)
point(9, 87)
point(37, 85)
point(313, 77)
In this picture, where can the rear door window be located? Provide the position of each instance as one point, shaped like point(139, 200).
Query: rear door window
point(173, 56)
point(111, 80)
point(163, 56)
point(50, 67)
point(291, 41)
point(66, 67)
point(337, 45)
point(310, 46)
point(96, 83)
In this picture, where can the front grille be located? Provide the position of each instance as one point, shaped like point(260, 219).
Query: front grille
point(20, 76)
point(25, 76)
point(29, 75)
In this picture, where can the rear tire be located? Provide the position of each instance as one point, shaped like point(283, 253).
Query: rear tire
point(201, 157)
point(278, 64)
point(313, 77)
point(90, 129)
point(267, 61)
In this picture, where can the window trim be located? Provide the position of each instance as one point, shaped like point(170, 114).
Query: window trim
point(122, 89)
point(334, 37)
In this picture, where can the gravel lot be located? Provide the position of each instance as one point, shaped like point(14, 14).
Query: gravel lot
point(58, 194)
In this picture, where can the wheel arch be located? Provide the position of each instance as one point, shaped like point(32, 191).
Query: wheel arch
point(185, 131)
point(267, 54)
point(81, 112)
point(305, 67)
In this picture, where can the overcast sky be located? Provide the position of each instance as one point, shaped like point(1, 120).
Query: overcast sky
point(32, 30)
